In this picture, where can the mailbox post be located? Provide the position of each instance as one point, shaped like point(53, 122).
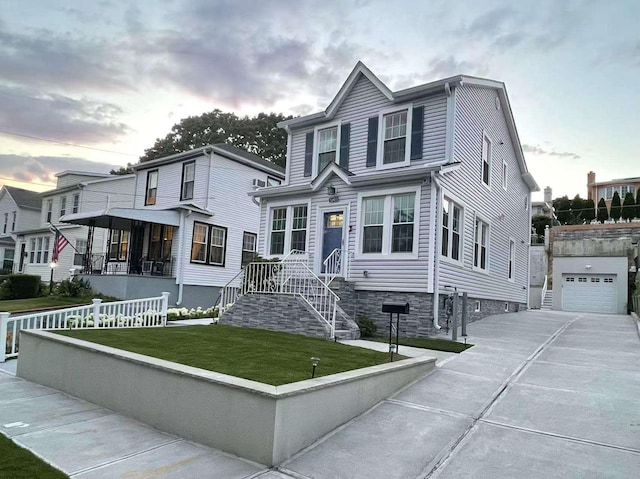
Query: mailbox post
point(398, 309)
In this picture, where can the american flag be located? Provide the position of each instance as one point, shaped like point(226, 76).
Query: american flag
point(58, 245)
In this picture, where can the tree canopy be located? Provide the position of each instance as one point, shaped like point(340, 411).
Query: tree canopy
point(616, 208)
point(258, 134)
point(638, 203)
point(603, 212)
point(539, 223)
point(562, 207)
point(628, 207)
point(589, 211)
point(123, 170)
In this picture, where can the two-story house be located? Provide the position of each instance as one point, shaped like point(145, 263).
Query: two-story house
point(19, 210)
point(606, 189)
point(410, 195)
point(75, 191)
point(190, 228)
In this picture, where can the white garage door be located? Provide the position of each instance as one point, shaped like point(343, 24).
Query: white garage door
point(596, 293)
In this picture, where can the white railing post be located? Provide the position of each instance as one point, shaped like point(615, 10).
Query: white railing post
point(165, 306)
point(4, 318)
point(97, 302)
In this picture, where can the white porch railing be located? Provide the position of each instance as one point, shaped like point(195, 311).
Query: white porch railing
point(336, 264)
point(544, 290)
point(137, 313)
point(291, 276)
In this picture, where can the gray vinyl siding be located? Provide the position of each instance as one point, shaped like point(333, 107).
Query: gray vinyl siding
point(384, 274)
point(365, 101)
point(476, 111)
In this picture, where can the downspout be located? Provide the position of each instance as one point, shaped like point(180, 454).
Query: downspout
point(436, 269)
point(209, 152)
point(180, 278)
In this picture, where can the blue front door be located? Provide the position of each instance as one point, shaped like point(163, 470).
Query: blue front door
point(333, 223)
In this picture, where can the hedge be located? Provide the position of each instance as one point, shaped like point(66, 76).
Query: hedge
point(20, 286)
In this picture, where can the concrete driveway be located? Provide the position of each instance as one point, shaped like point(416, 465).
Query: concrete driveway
point(542, 394)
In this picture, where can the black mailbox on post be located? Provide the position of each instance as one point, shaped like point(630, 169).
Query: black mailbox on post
point(399, 308)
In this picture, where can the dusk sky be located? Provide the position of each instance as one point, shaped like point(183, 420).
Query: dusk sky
point(115, 75)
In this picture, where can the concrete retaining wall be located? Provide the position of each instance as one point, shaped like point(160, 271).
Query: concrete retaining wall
point(259, 422)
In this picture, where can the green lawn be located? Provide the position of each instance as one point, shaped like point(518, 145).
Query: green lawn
point(265, 356)
point(31, 304)
point(18, 463)
point(427, 343)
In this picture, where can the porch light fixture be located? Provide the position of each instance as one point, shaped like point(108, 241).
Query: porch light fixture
point(314, 365)
point(331, 190)
point(52, 265)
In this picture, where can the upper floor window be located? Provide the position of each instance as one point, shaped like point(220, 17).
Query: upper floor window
point(13, 222)
point(249, 241)
point(512, 259)
point(49, 210)
point(451, 229)
point(388, 223)
point(288, 229)
point(481, 244)
point(208, 244)
point(327, 147)
point(6, 222)
point(394, 144)
point(486, 160)
point(188, 178)
point(152, 188)
point(608, 192)
point(76, 203)
point(63, 206)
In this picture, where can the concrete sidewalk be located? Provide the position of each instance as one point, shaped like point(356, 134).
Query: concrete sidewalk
point(542, 394)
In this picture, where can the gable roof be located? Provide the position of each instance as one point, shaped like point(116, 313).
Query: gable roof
point(445, 85)
point(25, 198)
point(222, 149)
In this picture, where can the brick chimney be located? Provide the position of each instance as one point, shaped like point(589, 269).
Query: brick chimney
point(591, 190)
point(591, 178)
point(547, 194)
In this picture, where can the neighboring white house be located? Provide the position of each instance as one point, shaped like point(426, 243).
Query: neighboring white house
point(75, 192)
point(190, 228)
point(424, 190)
point(19, 209)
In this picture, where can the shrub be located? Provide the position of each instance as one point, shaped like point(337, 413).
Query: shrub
point(20, 286)
point(74, 288)
point(197, 313)
point(367, 327)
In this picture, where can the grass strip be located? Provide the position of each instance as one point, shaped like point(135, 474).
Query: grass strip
point(268, 357)
point(18, 463)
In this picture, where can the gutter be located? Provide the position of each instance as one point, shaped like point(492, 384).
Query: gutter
point(436, 273)
point(180, 272)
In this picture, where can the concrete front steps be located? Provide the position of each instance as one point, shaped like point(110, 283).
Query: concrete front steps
point(547, 301)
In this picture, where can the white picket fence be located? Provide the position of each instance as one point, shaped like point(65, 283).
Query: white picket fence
point(136, 313)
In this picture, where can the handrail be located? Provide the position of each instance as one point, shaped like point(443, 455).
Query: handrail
point(337, 263)
point(544, 290)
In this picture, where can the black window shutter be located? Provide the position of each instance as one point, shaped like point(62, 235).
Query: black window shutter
point(372, 141)
point(308, 154)
point(345, 134)
point(417, 128)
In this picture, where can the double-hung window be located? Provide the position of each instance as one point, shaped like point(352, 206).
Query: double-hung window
point(188, 179)
point(512, 260)
point(394, 137)
point(119, 245)
point(388, 223)
point(486, 160)
point(152, 188)
point(249, 241)
point(76, 203)
point(327, 147)
point(481, 245)
point(288, 229)
point(13, 222)
point(81, 249)
point(208, 244)
point(451, 229)
point(39, 250)
point(6, 222)
point(63, 206)
point(49, 210)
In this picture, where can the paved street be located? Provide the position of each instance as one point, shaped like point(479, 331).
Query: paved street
point(542, 394)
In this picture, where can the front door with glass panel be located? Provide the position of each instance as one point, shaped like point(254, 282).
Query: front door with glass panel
point(333, 223)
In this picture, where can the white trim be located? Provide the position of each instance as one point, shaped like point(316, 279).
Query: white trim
point(335, 169)
point(289, 221)
point(407, 146)
point(473, 259)
point(320, 211)
point(455, 200)
point(287, 171)
point(505, 175)
point(316, 136)
point(388, 223)
point(511, 258)
point(489, 159)
point(450, 126)
point(433, 239)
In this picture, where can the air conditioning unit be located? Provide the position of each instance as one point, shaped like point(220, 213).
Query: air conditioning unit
point(257, 183)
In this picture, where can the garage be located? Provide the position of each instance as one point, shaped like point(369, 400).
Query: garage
point(590, 293)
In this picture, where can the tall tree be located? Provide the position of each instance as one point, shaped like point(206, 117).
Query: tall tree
point(258, 134)
point(603, 213)
point(616, 208)
point(539, 223)
point(589, 211)
point(577, 209)
point(628, 207)
point(562, 207)
point(123, 170)
point(638, 207)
